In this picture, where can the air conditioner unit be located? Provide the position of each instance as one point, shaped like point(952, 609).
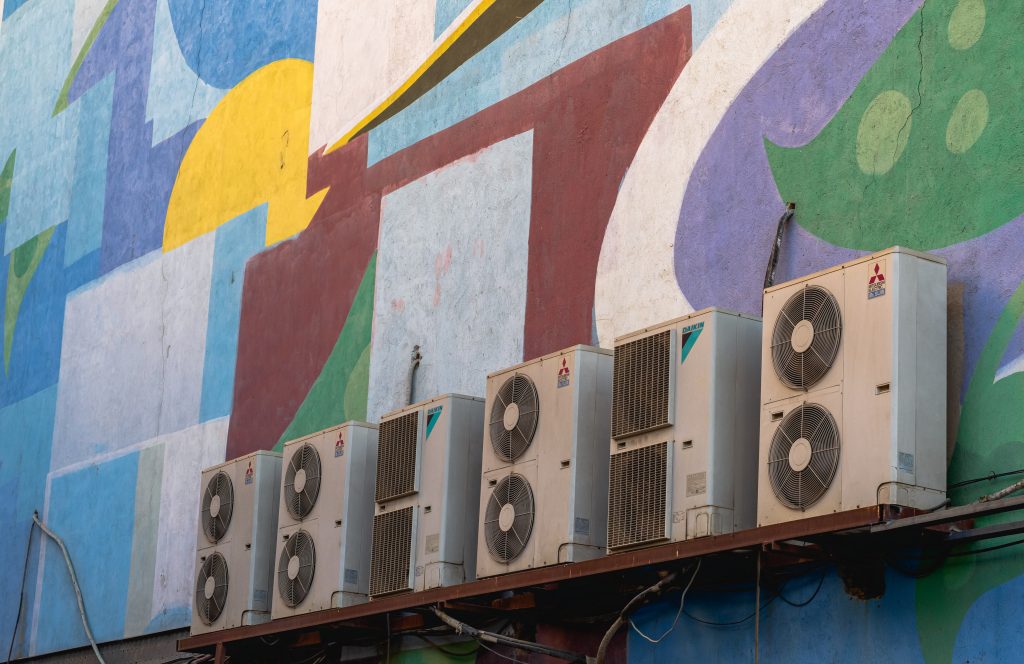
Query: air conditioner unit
point(428, 484)
point(235, 546)
point(684, 429)
point(323, 560)
point(854, 388)
point(543, 495)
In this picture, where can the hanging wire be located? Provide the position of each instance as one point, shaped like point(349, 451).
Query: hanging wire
point(682, 601)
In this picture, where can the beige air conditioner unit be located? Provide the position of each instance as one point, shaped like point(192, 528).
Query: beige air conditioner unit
point(854, 388)
point(684, 429)
point(323, 557)
point(235, 545)
point(543, 498)
point(428, 484)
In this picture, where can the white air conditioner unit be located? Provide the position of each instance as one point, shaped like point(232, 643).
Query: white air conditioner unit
point(428, 484)
point(684, 429)
point(235, 546)
point(543, 495)
point(323, 560)
point(854, 388)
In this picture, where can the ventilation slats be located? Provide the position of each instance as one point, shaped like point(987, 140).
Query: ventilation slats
point(640, 385)
point(396, 457)
point(637, 496)
point(390, 553)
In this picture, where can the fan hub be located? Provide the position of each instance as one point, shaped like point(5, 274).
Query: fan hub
point(293, 568)
point(511, 418)
point(803, 335)
point(215, 506)
point(300, 480)
point(209, 587)
point(506, 517)
point(800, 454)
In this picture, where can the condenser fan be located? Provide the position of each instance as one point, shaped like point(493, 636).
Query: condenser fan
point(302, 481)
point(212, 588)
point(514, 417)
point(804, 456)
point(295, 568)
point(218, 500)
point(806, 337)
point(508, 519)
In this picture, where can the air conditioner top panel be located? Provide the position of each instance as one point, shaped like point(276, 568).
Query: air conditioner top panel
point(557, 353)
point(311, 436)
point(423, 404)
point(250, 455)
point(682, 319)
point(863, 259)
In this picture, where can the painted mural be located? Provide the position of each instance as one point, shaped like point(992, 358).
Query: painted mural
point(226, 224)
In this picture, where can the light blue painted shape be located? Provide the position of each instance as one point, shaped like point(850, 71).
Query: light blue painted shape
point(89, 189)
point(447, 11)
point(705, 14)
point(990, 632)
point(93, 510)
point(545, 40)
point(26, 429)
point(177, 96)
point(236, 242)
point(833, 628)
point(11, 5)
point(35, 49)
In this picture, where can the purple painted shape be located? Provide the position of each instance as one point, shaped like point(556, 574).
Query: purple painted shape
point(140, 175)
point(731, 207)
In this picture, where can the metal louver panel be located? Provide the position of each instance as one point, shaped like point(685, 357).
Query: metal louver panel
point(218, 504)
point(637, 496)
point(390, 556)
point(296, 568)
point(640, 384)
point(211, 588)
point(805, 339)
point(302, 481)
point(804, 456)
point(396, 457)
point(514, 415)
point(508, 519)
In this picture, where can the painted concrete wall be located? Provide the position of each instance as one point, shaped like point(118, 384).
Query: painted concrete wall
point(225, 224)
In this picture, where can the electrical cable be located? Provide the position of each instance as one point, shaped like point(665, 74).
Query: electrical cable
point(729, 623)
point(682, 600)
point(21, 591)
point(511, 659)
point(74, 582)
point(780, 232)
point(987, 478)
point(821, 582)
point(446, 651)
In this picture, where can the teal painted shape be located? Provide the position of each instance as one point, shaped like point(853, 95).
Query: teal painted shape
point(93, 510)
point(689, 339)
point(433, 415)
point(235, 242)
point(89, 189)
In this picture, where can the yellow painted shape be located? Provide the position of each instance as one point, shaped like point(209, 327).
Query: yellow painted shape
point(438, 51)
point(250, 150)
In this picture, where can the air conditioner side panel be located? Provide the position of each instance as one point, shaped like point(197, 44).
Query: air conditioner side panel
point(929, 364)
point(587, 522)
point(701, 424)
point(264, 531)
point(358, 516)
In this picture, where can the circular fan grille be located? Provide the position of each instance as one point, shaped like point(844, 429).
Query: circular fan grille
point(508, 519)
point(212, 588)
point(218, 500)
point(302, 481)
point(806, 337)
point(514, 417)
point(295, 568)
point(804, 456)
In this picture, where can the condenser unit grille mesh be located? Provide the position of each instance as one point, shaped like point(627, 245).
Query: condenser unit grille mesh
point(637, 495)
point(390, 555)
point(640, 385)
point(396, 458)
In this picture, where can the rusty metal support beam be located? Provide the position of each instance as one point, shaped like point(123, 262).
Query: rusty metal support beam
point(986, 532)
point(971, 511)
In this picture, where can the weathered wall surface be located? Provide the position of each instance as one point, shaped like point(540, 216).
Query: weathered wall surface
point(225, 225)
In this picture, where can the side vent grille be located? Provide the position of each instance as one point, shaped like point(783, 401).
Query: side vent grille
point(396, 457)
point(390, 556)
point(640, 385)
point(637, 496)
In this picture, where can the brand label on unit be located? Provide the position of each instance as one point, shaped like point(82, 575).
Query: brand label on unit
point(351, 575)
point(876, 283)
point(581, 526)
point(696, 484)
point(433, 543)
point(433, 415)
point(339, 447)
point(563, 375)
point(688, 337)
point(906, 462)
point(249, 474)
